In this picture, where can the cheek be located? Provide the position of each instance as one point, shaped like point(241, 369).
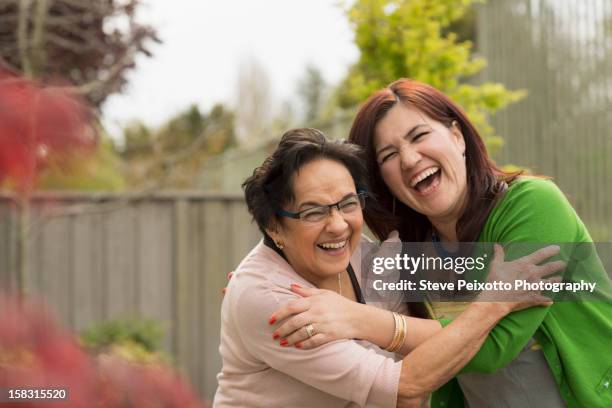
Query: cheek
point(356, 223)
point(459, 170)
point(391, 176)
point(299, 236)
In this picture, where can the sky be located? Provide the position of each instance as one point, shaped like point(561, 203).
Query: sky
point(205, 42)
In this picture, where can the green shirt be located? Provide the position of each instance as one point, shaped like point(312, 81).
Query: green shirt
point(576, 337)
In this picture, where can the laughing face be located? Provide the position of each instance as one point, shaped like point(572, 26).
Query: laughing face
point(320, 250)
point(421, 161)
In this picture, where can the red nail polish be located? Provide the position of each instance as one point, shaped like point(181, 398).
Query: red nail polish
point(295, 285)
point(272, 320)
point(275, 335)
point(284, 342)
point(298, 345)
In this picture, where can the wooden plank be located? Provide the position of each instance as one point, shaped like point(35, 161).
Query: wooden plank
point(182, 299)
point(155, 265)
point(119, 264)
point(86, 274)
point(244, 232)
point(53, 270)
point(216, 266)
point(197, 269)
point(7, 247)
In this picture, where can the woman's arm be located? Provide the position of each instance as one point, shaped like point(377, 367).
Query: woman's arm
point(335, 317)
point(533, 211)
point(438, 359)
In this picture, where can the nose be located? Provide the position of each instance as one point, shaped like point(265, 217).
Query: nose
point(336, 223)
point(409, 157)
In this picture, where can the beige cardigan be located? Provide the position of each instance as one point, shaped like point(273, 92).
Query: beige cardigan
point(258, 372)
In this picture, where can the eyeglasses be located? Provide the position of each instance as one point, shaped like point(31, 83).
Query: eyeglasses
point(319, 213)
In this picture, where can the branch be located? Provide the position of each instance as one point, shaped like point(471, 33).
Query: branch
point(125, 61)
point(8, 18)
point(22, 37)
point(100, 7)
point(38, 36)
point(71, 25)
point(5, 65)
point(74, 46)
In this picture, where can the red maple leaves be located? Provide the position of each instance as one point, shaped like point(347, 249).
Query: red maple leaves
point(39, 124)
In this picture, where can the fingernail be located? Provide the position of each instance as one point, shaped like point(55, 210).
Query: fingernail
point(298, 345)
point(272, 320)
point(229, 275)
point(295, 285)
point(284, 342)
point(275, 335)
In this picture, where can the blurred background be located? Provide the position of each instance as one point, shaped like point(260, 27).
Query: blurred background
point(127, 127)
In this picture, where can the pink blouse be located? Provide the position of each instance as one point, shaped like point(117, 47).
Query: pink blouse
point(258, 372)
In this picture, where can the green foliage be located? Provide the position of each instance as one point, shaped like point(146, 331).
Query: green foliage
point(176, 151)
point(412, 38)
point(137, 140)
point(144, 332)
point(311, 90)
point(135, 340)
point(101, 170)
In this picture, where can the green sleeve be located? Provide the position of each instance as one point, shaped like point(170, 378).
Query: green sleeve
point(535, 211)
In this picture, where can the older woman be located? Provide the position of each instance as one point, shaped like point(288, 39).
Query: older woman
point(307, 199)
point(429, 168)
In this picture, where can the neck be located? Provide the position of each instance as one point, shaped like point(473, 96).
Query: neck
point(331, 283)
point(446, 229)
point(446, 226)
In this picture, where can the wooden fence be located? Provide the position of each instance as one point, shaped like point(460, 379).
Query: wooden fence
point(560, 51)
point(96, 257)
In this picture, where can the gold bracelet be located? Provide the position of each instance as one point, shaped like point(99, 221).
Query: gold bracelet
point(395, 333)
point(403, 332)
point(399, 334)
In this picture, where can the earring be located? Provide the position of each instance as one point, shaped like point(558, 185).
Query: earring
point(278, 244)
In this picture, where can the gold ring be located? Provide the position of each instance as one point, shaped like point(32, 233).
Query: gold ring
point(310, 330)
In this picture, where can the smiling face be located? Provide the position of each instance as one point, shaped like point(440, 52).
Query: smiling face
point(421, 161)
point(321, 250)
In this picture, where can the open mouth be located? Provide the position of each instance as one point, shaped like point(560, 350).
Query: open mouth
point(333, 247)
point(427, 180)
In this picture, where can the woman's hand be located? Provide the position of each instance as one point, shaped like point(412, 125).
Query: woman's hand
point(527, 268)
point(229, 276)
point(333, 317)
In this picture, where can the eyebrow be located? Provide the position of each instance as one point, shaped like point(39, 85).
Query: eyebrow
point(408, 134)
point(315, 204)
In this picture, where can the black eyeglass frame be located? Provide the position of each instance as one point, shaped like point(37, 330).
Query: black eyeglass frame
point(361, 196)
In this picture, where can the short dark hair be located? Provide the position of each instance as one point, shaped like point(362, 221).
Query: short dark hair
point(271, 185)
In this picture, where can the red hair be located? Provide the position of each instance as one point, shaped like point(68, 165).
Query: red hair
point(485, 181)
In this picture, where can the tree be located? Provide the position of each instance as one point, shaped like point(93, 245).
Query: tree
point(102, 170)
point(411, 38)
point(311, 90)
point(92, 43)
point(39, 126)
point(174, 154)
point(253, 104)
